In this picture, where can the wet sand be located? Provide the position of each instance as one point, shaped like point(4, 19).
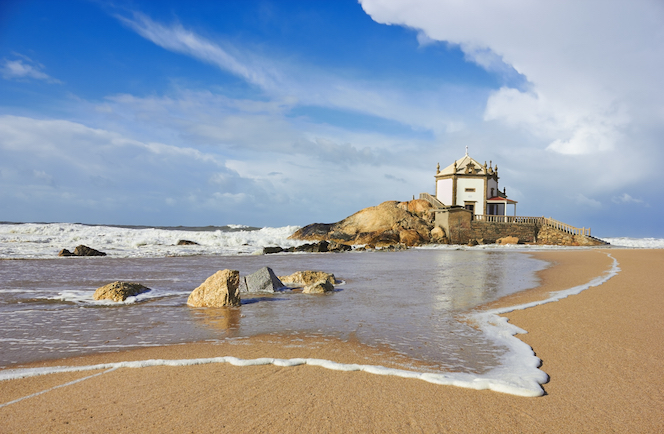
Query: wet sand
point(602, 350)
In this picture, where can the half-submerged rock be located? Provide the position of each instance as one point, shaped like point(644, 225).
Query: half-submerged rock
point(220, 289)
point(263, 280)
point(119, 291)
point(320, 287)
point(187, 243)
point(308, 277)
point(81, 250)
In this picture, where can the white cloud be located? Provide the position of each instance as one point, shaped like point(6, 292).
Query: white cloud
point(582, 200)
point(625, 198)
point(24, 68)
point(295, 83)
point(594, 67)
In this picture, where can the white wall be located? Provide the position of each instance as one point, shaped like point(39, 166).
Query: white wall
point(492, 184)
point(444, 191)
point(477, 196)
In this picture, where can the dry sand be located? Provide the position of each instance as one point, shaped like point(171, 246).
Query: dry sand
point(602, 350)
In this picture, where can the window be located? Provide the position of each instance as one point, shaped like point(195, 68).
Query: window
point(470, 190)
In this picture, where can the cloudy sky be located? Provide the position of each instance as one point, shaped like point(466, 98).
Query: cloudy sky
point(271, 113)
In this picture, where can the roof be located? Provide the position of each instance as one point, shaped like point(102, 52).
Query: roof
point(461, 164)
point(498, 199)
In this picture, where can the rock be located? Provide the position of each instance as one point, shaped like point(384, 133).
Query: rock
point(119, 291)
point(507, 240)
point(65, 252)
point(338, 247)
point(220, 289)
point(419, 206)
point(87, 251)
point(187, 243)
point(437, 233)
point(409, 237)
point(320, 247)
point(308, 277)
point(270, 250)
point(263, 280)
point(472, 242)
point(320, 287)
point(378, 225)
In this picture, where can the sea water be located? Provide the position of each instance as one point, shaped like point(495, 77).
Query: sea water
point(411, 301)
point(406, 300)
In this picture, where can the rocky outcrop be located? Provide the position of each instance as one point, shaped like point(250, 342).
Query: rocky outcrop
point(553, 236)
point(319, 287)
point(386, 224)
point(308, 277)
point(263, 280)
point(119, 291)
point(81, 250)
point(220, 289)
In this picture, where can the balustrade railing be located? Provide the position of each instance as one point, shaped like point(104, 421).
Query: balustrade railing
point(544, 221)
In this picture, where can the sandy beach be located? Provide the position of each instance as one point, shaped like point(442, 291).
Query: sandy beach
point(602, 350)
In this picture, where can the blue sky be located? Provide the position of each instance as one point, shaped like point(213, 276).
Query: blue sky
point(272, 113)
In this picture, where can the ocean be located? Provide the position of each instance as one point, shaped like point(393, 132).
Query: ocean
point(420, 302)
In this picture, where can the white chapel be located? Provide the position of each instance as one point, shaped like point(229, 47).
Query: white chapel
point(472, 185)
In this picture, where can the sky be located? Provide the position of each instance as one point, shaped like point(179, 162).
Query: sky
point(273, 113)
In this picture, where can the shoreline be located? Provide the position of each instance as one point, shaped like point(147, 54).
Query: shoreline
point(569, 269)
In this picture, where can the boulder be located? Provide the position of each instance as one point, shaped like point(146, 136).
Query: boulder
point(320, 247)
point(308, 278)
point(187, 243)
point(507, 240)
point(119, 291)
point(437, 233)
point(320, 287)
point(338, 247)
point(87, 251)
point(220, 289)
point(378, 225)
point(263, 280)
point(65, 252)
point(270, 250)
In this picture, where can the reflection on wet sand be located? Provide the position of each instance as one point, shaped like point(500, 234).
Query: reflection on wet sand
point(226, 319)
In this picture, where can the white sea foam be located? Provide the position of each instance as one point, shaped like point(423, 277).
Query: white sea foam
point(518, 373)
point(35, 240)
point(640, 243)
point(86, 297)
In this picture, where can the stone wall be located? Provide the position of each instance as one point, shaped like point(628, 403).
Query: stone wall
point(488, 233)
point(460, 229)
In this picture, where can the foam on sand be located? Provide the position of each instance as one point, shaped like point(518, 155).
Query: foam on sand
point(518, 373)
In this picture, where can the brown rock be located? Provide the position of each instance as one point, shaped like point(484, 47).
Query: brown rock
point(308, 277)
point(507, 240)
point(419, 206)
point(65, 252)
point(87, 251)
point(437, 233)
point(379, 225)
point(119, 291)
point(220, 289)
point(409, 237)
point(320, 287)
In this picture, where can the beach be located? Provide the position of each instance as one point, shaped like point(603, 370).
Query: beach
point(601, 349)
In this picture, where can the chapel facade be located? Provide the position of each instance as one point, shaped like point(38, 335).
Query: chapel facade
point(472, 185)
